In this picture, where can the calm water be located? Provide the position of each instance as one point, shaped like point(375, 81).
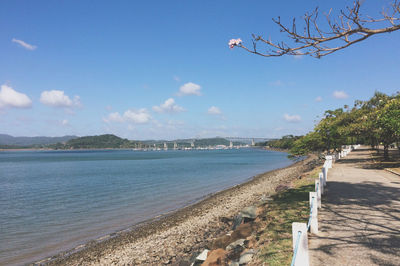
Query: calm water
point(51, 201)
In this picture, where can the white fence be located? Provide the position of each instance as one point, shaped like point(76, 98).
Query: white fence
point(300, 230)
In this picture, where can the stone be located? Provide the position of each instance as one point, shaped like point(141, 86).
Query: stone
point(234, 263)
point(226, 220)
point(281, 188)
point(203, 255)
point(249, 212)
point(264, 199)
point(259, 211)
point(246, 256)
point(250, 242)
point(234, 254)
point(243, 231)
point(221, 242)
point(237, 220)
point(239, 242)
point(215, 258)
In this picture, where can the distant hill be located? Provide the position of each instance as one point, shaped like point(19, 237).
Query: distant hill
point(7, 140)
point(107, 141)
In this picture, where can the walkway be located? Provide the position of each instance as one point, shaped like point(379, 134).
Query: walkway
point(359, 221)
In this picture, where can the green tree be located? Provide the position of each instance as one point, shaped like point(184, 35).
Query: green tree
point(333, 128)
point(312, 142)
point(374, 121)
point(389, 124)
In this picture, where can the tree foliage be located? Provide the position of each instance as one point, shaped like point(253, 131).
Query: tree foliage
point(107, 141)
point(285, 143)
point(373, 122)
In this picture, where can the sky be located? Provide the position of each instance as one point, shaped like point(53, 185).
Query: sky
point(163, 69)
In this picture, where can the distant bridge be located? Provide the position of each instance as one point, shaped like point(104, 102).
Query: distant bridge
point(247, 140)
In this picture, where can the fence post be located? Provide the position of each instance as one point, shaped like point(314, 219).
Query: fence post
point(330, 158)
point(321, 183)
point(314, 213)
point(302, 258)
point(324, 175)
point(318, 190)
point(326, 169)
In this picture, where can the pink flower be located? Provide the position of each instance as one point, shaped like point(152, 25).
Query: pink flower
point(234, 42)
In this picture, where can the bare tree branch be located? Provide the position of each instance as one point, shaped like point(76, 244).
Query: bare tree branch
point(348, 28)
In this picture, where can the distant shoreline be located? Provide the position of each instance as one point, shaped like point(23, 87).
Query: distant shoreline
point(110, 141)
point(192, 223)
point(120, 149)
point(48, 149)
point(275, 149)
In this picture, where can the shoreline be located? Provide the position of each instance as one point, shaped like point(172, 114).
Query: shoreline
point(116, 149)
point(187, 229)
point(276, 149)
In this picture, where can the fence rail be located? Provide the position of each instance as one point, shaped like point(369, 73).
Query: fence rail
point(300, 230)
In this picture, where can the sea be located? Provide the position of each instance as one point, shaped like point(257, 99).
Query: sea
point(53, 201)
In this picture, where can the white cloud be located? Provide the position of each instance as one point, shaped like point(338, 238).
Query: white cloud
point(189, 89)
point(57, 98)
point(292, 118)
point(175, 123)
point(171, 124)
point(65, 122)
point(318, 99)
point(140, 116)
point(213, 110)
point(168, 106)
point(113, 117)
point(11, 98)
point(24, 44)
point(276, 83)
point(340, 95)
point(216, 112)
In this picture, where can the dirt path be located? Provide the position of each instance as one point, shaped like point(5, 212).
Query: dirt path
point(359, 221)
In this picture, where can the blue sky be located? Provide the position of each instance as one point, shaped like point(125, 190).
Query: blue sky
point(163, 69)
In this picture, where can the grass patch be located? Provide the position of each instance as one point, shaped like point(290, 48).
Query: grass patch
point(275, 235)
point(380, 163)
point(397, 170)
